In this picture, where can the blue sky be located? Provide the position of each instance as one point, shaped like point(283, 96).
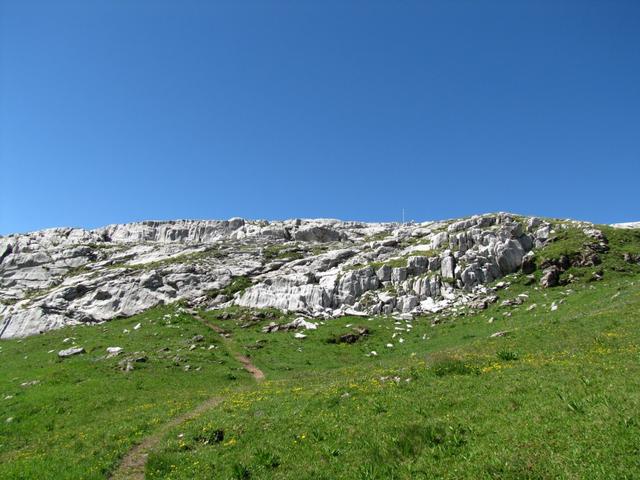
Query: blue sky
point(114, 111)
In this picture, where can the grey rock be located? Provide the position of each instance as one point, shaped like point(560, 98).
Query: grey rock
point(69, 352)
point(509, 256)
point(151, 280)
point(417, 265)
point(447, 267)
point(317, 233)
point(438, 240)
point(407, 303)
point(113, 351)
point(398, 275)
point(384, 273)
point(550, 277)
point(528, 263)
point(499, 334)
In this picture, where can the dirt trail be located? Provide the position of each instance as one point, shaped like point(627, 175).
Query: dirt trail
point(250, 367)
point(133, 464)
point(245, 361)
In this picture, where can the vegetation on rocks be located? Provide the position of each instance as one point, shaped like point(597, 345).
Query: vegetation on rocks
point(238, 284)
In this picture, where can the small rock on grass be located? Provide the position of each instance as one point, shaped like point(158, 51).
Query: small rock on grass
point(499, 334)
point(113, 351)
point(69, 352)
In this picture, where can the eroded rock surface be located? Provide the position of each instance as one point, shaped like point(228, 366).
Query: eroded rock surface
point(320, 268)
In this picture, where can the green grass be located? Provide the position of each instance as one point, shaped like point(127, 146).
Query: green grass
point(568, 242)
point(556, 396)
point(85, 412)
point(458, 405)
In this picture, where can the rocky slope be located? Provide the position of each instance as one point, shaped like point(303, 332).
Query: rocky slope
point(320, 268)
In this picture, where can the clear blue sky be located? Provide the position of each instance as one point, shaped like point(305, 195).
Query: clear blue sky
point(116, 111)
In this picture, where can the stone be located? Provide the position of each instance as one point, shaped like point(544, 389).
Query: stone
point(69, 352)
point(301, 322)
point(235, 223)
point(113, 351)
point(509, 256)
point(151, 280)
point(384, 273)
point(356, 334)
point(528, 263)
point(483, 303)
point(30, 383)
point(407, 303)
point(533, 223)
point(417, 265)
point(438, 240)
point(550, 277)
point(318, 234)
point(447, 267)
point(499, 334)
point(398, 275)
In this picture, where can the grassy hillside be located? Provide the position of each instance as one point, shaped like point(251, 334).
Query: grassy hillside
point(555, 395)
point(85, 412)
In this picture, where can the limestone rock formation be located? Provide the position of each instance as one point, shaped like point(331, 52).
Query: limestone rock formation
point(321, 268)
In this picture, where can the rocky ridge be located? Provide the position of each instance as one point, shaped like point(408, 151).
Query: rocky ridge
point(319, 268)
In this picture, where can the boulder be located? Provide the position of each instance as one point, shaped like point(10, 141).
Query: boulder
point(407, 303)
point(5, 249)
point(398, 275)
point(529, 263)
point(417, 265)
point(235, 223)
point(509, 256)
point(384, 273)
point(318, 234)
point(447, 267)
point(550, 277)
point(438, 240)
